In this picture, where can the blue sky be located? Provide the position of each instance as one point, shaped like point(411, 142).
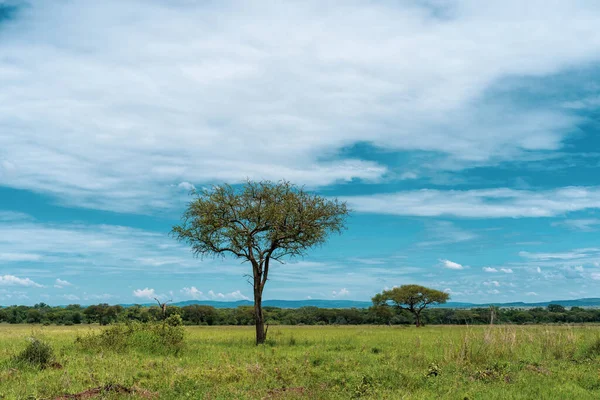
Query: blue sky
point(465, 135)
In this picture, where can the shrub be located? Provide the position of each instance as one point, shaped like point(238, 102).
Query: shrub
point(37, 353)
point(156, 337)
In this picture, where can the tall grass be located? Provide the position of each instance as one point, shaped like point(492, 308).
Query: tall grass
point(449, 362)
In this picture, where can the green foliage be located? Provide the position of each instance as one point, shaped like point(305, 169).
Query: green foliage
point(165, 337)
point(37, 353)
point(244, 315)
point(414, 298)
point(260, 220)
point(556, 308)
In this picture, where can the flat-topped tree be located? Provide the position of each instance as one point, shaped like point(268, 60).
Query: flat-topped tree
point(413, 298)
point(259, 222)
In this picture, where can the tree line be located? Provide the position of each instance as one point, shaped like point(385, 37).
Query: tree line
point(105, 314)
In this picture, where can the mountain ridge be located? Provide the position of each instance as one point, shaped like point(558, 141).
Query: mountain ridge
point(584, 302)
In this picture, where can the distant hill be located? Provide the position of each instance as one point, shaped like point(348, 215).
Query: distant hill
point(586, 303)
point(591, 302)
point(281, 303)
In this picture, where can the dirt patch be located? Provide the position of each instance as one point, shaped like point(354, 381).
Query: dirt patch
point(120, 389)
point(55, 365)
point(539, 370)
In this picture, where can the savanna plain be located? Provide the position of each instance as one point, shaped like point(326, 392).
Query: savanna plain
point(311, 362)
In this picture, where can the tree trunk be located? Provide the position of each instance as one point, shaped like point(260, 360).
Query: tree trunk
point(259, 319)
point(417, 319)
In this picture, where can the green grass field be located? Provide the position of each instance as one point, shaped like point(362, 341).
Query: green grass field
point(320, 362)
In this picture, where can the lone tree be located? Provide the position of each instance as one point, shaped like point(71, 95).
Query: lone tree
point(259, 222)
point(163, 307)
point(413, 298)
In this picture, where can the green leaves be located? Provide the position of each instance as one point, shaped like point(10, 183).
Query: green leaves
point(414, 298)
point(259, 221)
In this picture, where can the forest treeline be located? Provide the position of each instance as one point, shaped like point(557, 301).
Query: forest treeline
point(105, 314)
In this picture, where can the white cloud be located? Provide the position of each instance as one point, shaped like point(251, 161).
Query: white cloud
point(145, 293)
point(121, 122)
point(342, 293)
point(585, 225)
point(408, 176)
point(595, 276)
point(492, 283)
point(11, 280)
point(480, 203)
point(186, 186)
point(493, 291)
point(444, 233)
point(193, 293)
point(539, 270)
point(531, 294)
point(103, 296)
point(70, 248)
point(233, 296)
point(59, 283)
point(451, 265)
point(570, 255)
point(71, 297)
point(506, 270)
point(11, 216)
point(16, 257)
point(489, 269)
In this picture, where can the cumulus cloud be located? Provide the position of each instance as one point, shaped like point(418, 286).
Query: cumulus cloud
point(451, 265)
point(146, 122)
point(59, 283)
point(192, 292)
point(480, 203)
point(341, 293)
point(11, 280)
point(186, 186)
point(494, 270)
point(145, 293)
point(236, 295)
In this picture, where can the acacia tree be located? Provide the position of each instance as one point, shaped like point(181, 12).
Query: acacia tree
point(259, 222)
point(413, 298)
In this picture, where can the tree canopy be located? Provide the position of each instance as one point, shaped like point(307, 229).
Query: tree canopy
point(413, 298)
point(259, 222)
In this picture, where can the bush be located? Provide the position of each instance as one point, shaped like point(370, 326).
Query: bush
point(37, 353)
point(156, 337)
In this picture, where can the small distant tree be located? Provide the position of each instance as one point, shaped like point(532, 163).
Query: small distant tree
point(413, 298)
point(163, 307)
point(556, 308)
point(259, 222)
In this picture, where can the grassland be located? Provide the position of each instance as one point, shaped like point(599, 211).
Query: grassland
point(325, 362)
